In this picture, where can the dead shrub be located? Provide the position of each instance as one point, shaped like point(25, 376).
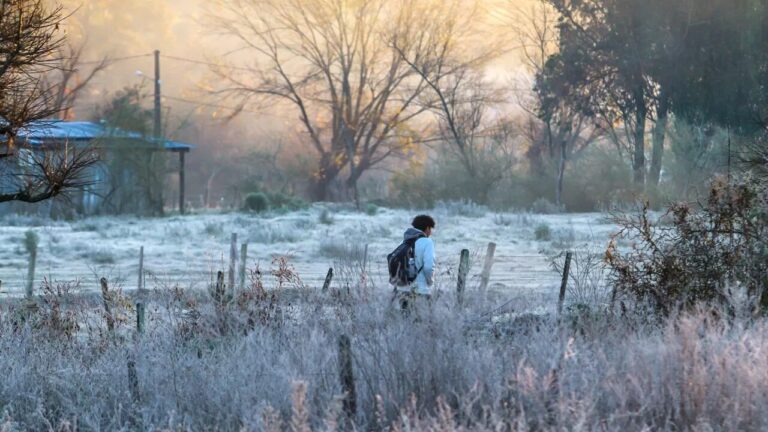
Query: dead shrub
point(53, 316)
point(698, 252)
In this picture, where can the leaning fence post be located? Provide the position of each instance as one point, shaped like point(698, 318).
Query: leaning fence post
point(463, 271)
point(328, 279)
point(243, 264)
point(232, 261)
point(140, 317)
point(349, 403)
point(486, 275)
point(105, 298)
point(564, 283)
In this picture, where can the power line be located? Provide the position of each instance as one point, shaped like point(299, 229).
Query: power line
point(175, 98)
point(117, 59)
point(210, 105)
point(204, 63)
point(169, 57)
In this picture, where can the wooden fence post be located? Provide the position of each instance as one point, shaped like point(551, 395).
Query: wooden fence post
point(463, 271)
point(133, 382)
point(349, 404)
point(553, 394)
point(232, 261)
point(328, 279)
point(140, 284)
point(243, 264)
point(564, 283)
point(486, 275)
point(106, 299)
point(31, 241)
point(219, 290)
point(140, 317)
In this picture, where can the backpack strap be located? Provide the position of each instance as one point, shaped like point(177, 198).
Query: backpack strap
point(418, 237)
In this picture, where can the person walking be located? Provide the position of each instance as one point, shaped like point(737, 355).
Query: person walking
point(412, 264)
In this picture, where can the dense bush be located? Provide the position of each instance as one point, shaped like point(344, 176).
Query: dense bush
point(371, 209)
point(281, 201)
point(545, 206)
point(257, 202)
point(695, 254)
point(542, 232)
point(325, 217)
point(262, 201)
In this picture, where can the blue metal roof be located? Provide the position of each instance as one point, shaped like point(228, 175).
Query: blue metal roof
point(53, 132)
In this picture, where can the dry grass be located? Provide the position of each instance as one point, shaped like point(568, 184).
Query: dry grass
point(266, 359)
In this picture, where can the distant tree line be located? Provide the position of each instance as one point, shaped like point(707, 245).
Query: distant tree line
point(629, 65)
point(374, 81)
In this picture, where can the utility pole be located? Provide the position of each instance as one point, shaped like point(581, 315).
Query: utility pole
point(157, 130)
point(158, 108)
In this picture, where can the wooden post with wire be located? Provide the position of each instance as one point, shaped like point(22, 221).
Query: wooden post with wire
point(486, 275)
point(232, 262)
point(243, 264)
point(564, 283)
point(463, 271)
point(328, 279)
point(106, 299)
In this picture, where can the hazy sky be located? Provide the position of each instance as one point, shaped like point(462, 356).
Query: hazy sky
point(121, 28)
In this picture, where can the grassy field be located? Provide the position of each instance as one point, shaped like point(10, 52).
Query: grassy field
point(187, 251)
point(268, 357)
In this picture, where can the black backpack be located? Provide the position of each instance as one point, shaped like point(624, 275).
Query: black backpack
point(401, 263)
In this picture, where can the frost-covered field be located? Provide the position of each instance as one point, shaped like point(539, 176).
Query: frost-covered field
point(269, 359)
point(188, 250)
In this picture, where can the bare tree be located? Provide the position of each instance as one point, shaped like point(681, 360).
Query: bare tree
point(30, 43)
point(65, 84)
point(445, 54)
point(331, 60)
point(566, 131)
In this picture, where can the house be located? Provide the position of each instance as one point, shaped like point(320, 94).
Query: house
point(131, 174)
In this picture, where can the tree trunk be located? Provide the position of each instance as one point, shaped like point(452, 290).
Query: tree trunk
point(561, 173)
point(325, 175)
point(638, 164)
point(659, 134)
point(208, 187)
point(354, 177)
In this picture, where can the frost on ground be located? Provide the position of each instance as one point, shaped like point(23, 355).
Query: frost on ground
point(188, 250)
point(267, 358)
point(252, 364)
